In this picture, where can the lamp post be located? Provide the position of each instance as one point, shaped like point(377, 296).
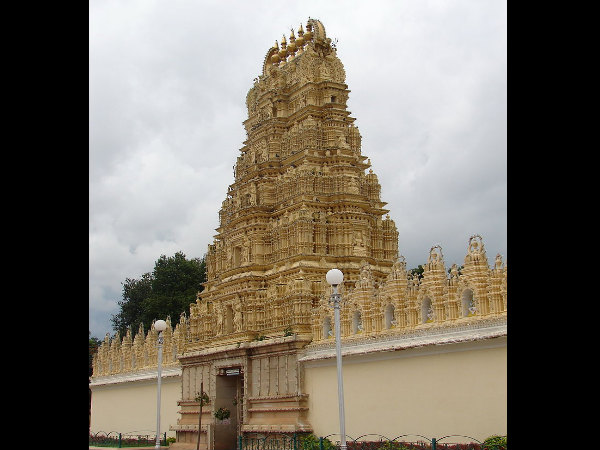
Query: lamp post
point(335, 277)
point(160, 326)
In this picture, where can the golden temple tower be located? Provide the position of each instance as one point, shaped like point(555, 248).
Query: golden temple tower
point(301, 202)
point(304, 200)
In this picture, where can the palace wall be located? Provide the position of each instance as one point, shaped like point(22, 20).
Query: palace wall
point(433, 390)
point(420, 355)
point(124, 381)
point(127, 404)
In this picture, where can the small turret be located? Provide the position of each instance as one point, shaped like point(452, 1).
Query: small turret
point(292, 45)
point(283, 52)
point(300, 40)
point(275, 57)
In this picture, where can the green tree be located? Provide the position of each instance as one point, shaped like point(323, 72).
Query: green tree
point(175, 283)
point(167, 291)
point(418, 270)
point(131, 312)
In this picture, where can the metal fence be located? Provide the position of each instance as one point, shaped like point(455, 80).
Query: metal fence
point(367, 442)
point(123, 440)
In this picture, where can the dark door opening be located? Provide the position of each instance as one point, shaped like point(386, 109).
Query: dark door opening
point(229, 395)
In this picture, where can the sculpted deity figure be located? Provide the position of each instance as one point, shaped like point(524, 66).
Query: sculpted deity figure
point(454, 271)
point(435, 257)
point(324, 71)
point(219, 317)
point(342, 142)
point(253, 194)
point(354, 187)
point(498, 262)
point(237, 316)
point(229, 255)
point(471, 307)
point(475, 245)
point(415, 279)
point(476, 249)
point(359, 244)
point(246, 250)
point(303, 100)
point(398, 267)
point(365, 276)
point(430, 313)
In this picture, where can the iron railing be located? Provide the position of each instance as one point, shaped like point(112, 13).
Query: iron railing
point(277, 441)
point(123, 440)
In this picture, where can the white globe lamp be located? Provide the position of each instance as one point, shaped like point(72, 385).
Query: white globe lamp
point(334, 277)
point(160, 325)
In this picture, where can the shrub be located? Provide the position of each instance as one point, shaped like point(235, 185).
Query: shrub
point(311, 442)
point(222, 414)
point(393, 445)
point(495, 443)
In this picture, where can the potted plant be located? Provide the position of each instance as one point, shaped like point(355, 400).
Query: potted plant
point(222, 414)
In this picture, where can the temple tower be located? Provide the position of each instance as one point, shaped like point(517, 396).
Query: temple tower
point(303, 200)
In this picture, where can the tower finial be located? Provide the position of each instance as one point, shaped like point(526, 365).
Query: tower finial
point(275, 56)
point(292, 45)
point(300, 39)
point(309, 34)
point(283, 52)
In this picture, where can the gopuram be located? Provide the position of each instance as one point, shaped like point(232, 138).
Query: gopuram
point(301, 204)
point(305, 200)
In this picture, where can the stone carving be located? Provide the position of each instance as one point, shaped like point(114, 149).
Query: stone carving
point(125, 355)
point(498, 262)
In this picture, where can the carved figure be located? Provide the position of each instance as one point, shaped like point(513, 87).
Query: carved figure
point(219, 318)
point(454, 271)
point(237, 316)
point(430, 313)
point(498, 262)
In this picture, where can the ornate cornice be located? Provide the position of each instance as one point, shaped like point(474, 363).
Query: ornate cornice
point(140, 376)
point(475, 331)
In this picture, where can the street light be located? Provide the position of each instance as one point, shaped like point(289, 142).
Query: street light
point(160, 326)
point(335, 277)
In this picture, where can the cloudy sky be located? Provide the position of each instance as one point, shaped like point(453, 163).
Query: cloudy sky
point(168, 82)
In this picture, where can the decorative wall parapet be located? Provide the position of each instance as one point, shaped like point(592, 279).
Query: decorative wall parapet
point(402, 303)
point(139, 354)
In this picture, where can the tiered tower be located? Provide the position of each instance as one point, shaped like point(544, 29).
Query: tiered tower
point(303, 201)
